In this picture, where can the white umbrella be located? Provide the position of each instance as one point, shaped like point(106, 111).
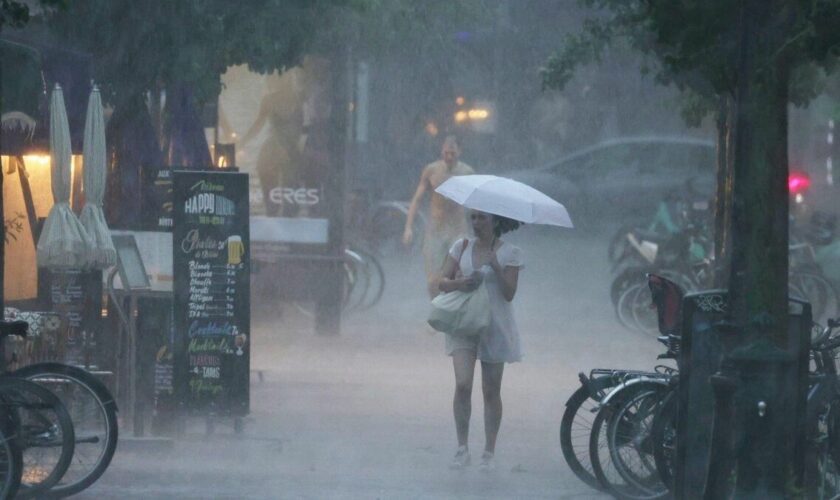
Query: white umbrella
point(102, 252)
point(505, 197)
point(63, 241)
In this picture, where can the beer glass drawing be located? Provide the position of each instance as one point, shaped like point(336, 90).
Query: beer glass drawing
point(236, 249)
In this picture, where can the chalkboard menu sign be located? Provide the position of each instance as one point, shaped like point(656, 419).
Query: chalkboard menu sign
point(157, 199)
point(211, 266)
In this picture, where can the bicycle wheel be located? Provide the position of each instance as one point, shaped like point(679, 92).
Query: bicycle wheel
point(94, 414)
point(375, 280)
point(574, 435)
point(351, 277)
point(600, 455)
point(46, 434)
point(664, 439)
point(630, 444)
point(626, 279)
point(387, 224)
point(624, 308)
point(358, 279)
point(644, 313)
point(11, 456)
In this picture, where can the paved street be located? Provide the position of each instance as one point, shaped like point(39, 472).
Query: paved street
point(368, 414)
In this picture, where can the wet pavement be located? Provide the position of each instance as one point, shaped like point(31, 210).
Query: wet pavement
point(368, 414)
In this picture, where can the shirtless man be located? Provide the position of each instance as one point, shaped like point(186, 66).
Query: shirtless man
point(446, 218)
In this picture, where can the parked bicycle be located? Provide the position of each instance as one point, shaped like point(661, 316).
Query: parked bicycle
point(682, 258)
point(38, 424)
point(364, 282)
point(823, 415)
point(618, 432)
point(605, 430)
point(76, 414)
point(379, 224)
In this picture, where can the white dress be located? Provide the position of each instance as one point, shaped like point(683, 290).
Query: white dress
point(500, 342)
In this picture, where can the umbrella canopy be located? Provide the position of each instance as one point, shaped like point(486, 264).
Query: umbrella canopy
point(102, 252)
point(505, 197)
point(63, 241)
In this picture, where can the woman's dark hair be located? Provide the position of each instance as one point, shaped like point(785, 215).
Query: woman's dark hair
point(504, 225)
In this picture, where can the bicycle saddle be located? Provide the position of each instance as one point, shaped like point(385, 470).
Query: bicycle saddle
point(16, 327)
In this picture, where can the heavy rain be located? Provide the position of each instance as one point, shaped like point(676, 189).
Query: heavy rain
point(420, 249)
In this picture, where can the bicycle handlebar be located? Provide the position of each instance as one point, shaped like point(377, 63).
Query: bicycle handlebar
point(829, 343)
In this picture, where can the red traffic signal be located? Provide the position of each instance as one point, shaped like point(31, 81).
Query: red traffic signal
point(798, 182)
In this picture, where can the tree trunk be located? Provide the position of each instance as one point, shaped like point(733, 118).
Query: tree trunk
point(758, 275)
point(759, 266)
point(723, 193)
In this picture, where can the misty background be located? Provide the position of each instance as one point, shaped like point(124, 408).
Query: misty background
point(367, 414)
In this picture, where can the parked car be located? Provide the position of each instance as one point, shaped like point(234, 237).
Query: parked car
point(624, 179)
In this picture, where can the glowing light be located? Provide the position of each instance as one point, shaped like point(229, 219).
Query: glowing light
point(432, 129)
point(478, 114)
point(37, 161)
point(459, 101)
point(39, 172)
point(798, 182)
point(461, 116)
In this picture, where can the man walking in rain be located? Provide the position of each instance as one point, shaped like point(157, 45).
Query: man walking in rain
point(447, 222)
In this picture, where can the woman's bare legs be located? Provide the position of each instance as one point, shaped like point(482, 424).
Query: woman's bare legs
point(464, 362)
point(491, 384)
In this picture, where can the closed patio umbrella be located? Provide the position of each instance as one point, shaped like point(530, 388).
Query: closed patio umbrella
point(102, 252)
point(63, 242)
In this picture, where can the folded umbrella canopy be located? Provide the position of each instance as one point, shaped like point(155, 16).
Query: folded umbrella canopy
point(505, 197)
point(102, 252)
point(63, 242)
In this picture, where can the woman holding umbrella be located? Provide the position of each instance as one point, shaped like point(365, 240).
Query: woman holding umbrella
point(488, 259)
point(499, 205)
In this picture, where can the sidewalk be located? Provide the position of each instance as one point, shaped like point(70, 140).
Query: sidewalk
point(368, 414)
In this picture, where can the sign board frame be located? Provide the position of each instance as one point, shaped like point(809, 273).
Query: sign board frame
point(211, 286)
point(130, 263)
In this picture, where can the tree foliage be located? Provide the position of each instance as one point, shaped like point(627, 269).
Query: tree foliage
point(696, 45)
point(16, 14)
point(139, 46)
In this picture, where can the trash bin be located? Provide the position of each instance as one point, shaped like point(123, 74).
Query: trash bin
point(771, 392)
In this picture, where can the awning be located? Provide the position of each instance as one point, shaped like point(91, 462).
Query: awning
point(28, 69)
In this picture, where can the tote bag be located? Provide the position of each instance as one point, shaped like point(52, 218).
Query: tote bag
point(461, 313)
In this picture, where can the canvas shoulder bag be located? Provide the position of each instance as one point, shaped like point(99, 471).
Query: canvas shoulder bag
point(461, 313)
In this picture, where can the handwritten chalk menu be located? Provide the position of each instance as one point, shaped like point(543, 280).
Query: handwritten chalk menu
point(211, 267)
